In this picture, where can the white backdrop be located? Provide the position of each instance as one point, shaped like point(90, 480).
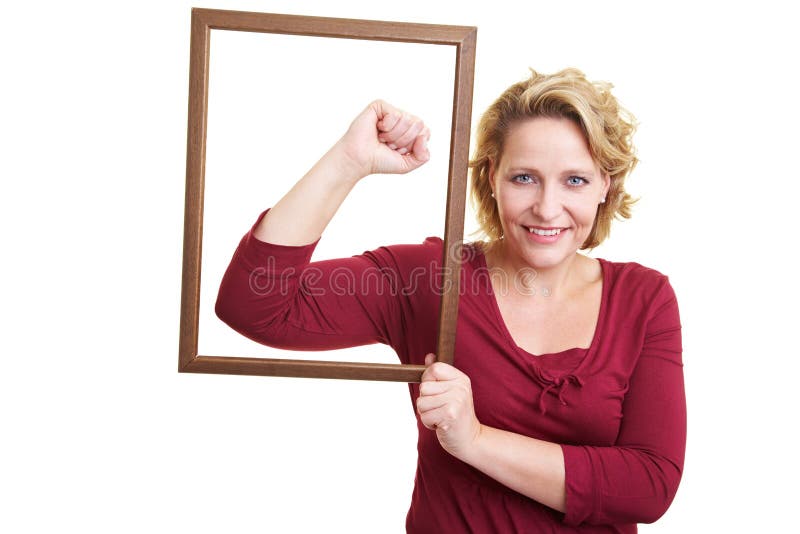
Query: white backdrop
point(101, 434)
point(278, 102)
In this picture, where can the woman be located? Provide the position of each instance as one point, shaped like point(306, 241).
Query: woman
point(566, 412)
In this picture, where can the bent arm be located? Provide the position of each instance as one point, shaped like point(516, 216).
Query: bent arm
point(633, 481)
point(532, 467)
point(273, 295)
point(636, 480)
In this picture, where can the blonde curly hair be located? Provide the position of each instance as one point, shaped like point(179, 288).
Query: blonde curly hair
point(566, 94)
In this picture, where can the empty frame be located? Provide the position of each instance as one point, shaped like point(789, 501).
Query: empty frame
point(233, 29)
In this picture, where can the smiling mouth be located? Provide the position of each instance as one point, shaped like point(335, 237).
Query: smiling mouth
point(545, 232)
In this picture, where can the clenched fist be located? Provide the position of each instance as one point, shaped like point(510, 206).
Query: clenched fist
point(384, 139)
point(445, 405)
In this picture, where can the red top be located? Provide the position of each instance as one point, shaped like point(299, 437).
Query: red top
point(617, 408)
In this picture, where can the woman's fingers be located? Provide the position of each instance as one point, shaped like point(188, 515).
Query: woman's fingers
point(394, 142)
point(443, 386)
point(406, 141)
point(445, 405)
point(437, 411)
point(433, 387)
point(388, 122)
point(434, 419)
point(431, 402)
point(440, 411)
point(402, 135)
point(442, 371)
point(387, 114)
point(420, 146)
point(398, 130)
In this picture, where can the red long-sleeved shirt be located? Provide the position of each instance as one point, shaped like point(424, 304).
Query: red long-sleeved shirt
point(617, 408)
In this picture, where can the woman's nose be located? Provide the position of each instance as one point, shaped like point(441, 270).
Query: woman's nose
point(547, 204)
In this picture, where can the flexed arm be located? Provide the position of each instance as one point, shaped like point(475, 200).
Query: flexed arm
point(633, 481)
point(342, 302)
point(382, 139)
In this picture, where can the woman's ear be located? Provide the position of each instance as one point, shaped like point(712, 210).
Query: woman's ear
point(491, 175)
point(606, 185)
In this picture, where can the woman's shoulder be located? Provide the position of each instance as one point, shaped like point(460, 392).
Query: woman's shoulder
point(632, 269)
point(432, 247)
point(428, 255)
point(632, 278)
point(642, 294)
point(407, 256)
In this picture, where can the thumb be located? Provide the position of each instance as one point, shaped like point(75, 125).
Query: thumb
point(429, 359)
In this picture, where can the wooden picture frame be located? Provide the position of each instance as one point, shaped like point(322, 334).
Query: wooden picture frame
point(203, 20)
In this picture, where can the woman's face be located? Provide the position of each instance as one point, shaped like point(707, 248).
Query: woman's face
point(547, 188)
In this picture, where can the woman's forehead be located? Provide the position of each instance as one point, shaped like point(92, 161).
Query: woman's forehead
point(545, 141)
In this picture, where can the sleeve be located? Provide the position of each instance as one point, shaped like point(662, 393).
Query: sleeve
point(273, 295)
point(636, 480)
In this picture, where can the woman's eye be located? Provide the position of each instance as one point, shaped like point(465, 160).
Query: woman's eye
point(522, 178)
point(576, 180)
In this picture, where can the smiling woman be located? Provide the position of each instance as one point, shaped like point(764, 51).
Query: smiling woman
point(606, 130)
point(548, 190)
point(566, 408)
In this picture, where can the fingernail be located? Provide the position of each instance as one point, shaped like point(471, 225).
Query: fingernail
point(392, 146)
point(402, 151)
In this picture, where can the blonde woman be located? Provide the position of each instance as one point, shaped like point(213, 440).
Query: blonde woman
point(566, 412)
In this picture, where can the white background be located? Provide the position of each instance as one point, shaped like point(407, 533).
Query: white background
point(101, 434)
point(275, 99)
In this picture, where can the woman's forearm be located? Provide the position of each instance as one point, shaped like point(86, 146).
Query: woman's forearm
point(529, 466)
point(300, 217)
point(382, 139)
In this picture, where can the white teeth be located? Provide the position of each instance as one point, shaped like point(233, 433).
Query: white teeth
point(544, 232)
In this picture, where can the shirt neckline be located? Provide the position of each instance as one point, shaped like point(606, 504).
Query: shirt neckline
point(567, 359)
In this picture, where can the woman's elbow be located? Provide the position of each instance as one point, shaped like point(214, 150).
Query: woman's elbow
point(644, 497)
point(234, 311)
point(225, 310)
point(653, 510)
point(664, 482)
point(250, 325)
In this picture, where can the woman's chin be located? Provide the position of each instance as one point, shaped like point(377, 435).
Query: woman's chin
point(547, 260)
point(545, 257)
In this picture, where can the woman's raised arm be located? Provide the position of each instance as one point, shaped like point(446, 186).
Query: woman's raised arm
point(382, 139)
point(337, 303)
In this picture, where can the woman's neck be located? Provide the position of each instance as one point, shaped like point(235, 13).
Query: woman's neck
point(518, 277)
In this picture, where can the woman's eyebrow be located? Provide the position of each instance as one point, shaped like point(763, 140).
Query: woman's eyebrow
point(534, 170)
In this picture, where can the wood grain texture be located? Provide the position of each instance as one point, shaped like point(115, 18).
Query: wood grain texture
point(195, 178)
point(456, 195)
point(332, 27)
point(203, 21)
point(305, 368)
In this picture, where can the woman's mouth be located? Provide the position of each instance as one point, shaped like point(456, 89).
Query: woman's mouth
point(539, 234)
point(544, 231)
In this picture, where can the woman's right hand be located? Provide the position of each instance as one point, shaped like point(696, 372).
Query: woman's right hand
point(384, 139)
